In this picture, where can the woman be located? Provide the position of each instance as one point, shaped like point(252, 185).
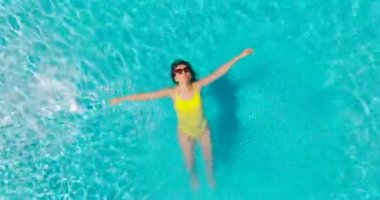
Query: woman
point(192, 125)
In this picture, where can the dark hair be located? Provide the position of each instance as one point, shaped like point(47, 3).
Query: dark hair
point(182, 62)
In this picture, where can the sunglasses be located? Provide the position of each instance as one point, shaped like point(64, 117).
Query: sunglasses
point(179, 71)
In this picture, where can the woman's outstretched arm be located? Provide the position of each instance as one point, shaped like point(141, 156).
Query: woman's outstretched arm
point(143, 96)
point(224, 68)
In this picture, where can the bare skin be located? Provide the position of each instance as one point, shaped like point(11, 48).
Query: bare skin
point(205, 141)
point(187, 145)
point(185, 89)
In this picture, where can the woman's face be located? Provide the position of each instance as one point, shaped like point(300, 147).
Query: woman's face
point(182, 74)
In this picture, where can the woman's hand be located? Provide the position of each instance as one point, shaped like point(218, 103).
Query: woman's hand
point(115, 101)
point(246, 52)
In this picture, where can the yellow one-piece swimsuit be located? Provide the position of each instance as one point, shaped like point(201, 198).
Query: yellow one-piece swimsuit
point(191, 120)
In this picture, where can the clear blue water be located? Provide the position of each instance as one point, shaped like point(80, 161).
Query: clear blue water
point(299, 119)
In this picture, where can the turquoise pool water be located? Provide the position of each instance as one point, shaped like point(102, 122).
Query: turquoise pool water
point(299, 119)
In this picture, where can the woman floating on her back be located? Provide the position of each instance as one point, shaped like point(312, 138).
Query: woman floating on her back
point(192, 125)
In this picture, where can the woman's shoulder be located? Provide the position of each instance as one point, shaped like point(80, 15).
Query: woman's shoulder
point(173, 91)
point(197, 85)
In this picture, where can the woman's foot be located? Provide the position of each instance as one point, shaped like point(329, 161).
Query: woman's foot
point(194, 182)
point(212, 183)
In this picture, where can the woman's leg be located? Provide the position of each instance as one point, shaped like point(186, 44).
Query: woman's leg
point(187, 145)
point(205, 141)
